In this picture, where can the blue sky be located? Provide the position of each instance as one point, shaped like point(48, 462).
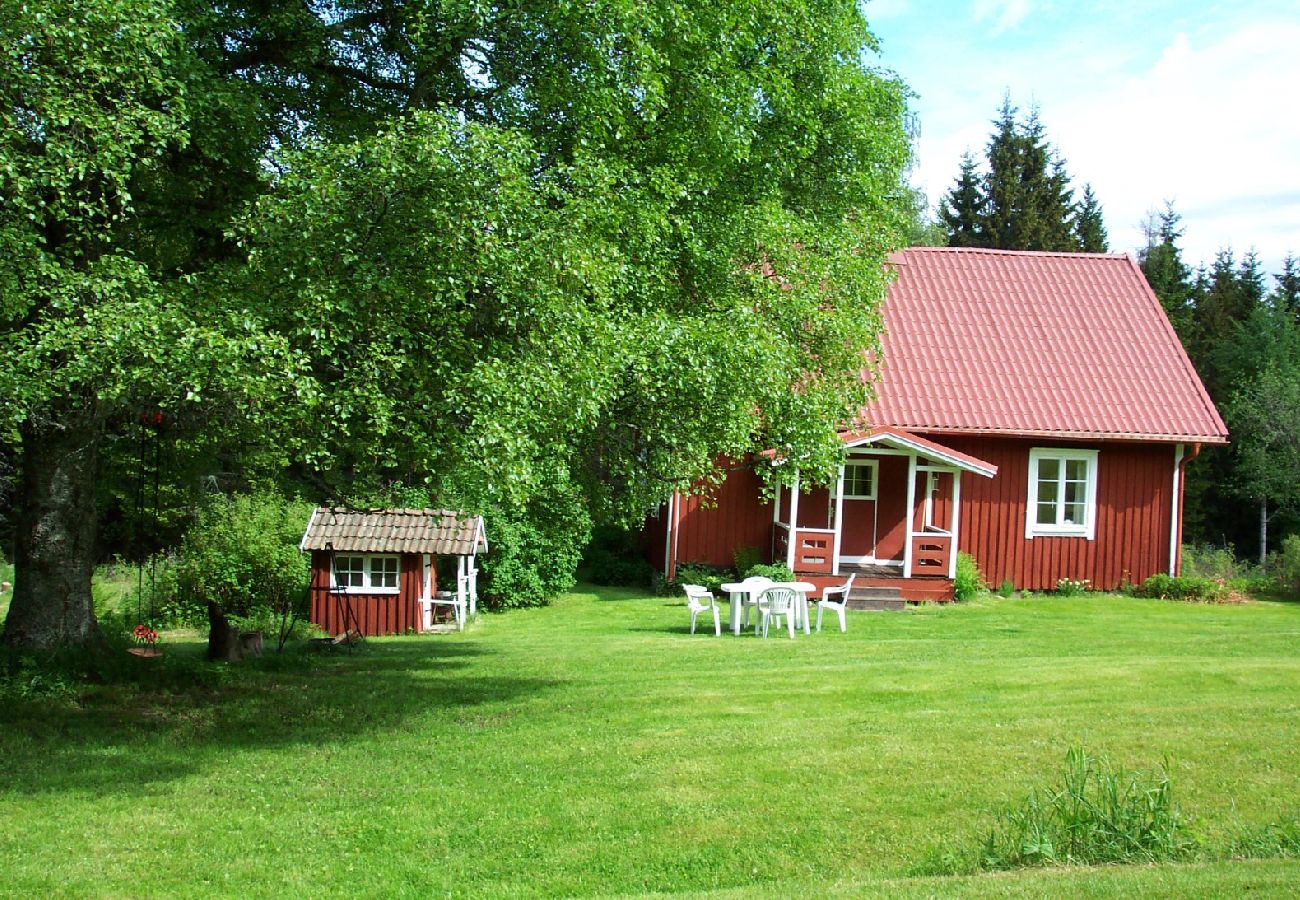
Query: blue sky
point(1193, 102)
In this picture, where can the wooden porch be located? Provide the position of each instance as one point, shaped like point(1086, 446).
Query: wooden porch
point(884, 587)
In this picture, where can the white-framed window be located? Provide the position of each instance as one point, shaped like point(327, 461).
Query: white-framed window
point(860, 479)
point(1062, 493)
point(369, 573)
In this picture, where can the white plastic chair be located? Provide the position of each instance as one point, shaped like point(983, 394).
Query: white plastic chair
point(774, 603)
point(699, 599)
point(446, 598)
point(838, 606)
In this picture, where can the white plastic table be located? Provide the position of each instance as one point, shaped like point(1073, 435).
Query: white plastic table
point(742, 592)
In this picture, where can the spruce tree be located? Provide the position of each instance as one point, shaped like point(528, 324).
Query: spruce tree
point(1089, 228)
point(961, 211)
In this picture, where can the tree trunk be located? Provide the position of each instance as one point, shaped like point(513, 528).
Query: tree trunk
point(1263, 531)
point(54, 553)
point(223, 638)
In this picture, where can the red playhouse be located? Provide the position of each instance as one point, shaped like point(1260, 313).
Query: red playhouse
point(376, 571)
point(1035, 410)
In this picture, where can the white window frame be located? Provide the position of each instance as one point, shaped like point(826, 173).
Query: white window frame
point(368, 573)
point(1088, 529)
point(871, 464)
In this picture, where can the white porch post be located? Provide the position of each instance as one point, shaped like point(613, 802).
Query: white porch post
point(472, 584)
point(794, 522)
point(911, 515)
point(426, 594)
point(839, 522)
point(956, 518)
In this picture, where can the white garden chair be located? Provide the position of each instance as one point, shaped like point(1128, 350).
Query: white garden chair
point(829, 601)
point(700, 599)
point(773, 603)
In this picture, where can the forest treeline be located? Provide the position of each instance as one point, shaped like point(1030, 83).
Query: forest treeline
point(1239, 325)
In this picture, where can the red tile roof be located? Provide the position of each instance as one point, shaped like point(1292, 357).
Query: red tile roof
point(1040, 344)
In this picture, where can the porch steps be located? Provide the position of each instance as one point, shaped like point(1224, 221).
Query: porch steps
point(877, 598)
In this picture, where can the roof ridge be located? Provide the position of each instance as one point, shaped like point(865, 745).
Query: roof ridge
point(998, 251)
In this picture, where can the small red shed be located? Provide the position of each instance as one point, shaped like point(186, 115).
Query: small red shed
point(1035, 410)
point(375, 571)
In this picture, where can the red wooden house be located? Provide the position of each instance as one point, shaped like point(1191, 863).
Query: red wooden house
point(1035, 410)
point(376, 571)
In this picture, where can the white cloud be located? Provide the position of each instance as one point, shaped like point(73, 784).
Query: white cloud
point(1005, 14)
point(1209, 124)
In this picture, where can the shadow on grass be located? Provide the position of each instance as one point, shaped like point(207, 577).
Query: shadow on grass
point(121, 738)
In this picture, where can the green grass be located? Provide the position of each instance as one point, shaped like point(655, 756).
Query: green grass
point(594, 747)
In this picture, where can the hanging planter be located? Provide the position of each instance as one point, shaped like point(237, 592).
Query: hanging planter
point(146, 643)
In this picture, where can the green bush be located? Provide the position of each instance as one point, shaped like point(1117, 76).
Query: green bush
point(1183, 587)
point(535, 550)
point(745, 558)
point(774, 571)
point(969, 582)
point(1209, 561)
point(616, 556)
point(1006, 588)
point(1286, 567)
point(242, 554)
point(703, 574)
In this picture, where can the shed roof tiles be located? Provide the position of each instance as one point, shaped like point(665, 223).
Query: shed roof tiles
point(1041, 344)
point(436, 531)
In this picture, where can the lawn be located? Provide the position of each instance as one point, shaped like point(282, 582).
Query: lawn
point(595, 747)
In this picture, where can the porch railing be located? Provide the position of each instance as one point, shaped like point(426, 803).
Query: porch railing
point(931, 553)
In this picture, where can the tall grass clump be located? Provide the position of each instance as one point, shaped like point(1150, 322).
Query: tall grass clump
point(1100, 813)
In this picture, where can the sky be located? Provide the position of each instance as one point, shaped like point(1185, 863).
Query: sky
point(1197, 103)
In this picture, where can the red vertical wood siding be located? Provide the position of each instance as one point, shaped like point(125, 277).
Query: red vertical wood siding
point(1134, 490)
point(710, 529)
point(375, 614)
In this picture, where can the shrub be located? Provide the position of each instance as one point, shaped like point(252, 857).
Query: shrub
point(745, 558)
point(615, 557)
point(1286, 567)
point(969, 582)
point(773, 571)
point(242, 554)
point(1183, 587)
point(535, 550)
point(1006, 588)
point(703, 574)
point(1208, 561)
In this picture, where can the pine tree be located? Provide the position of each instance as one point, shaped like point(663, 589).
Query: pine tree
point(1089, 228)
point(1286, 295)
point(1003, 202)
point(962, 211)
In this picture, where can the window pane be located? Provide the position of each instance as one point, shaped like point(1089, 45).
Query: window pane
point(1046, 492)
point(1049, 469)
point(383, 572)
point(1046, 514)
point(349, 571)
point(1076, 469)
point(1073, 514)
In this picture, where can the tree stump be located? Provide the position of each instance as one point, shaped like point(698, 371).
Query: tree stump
point(224, 643)
point(250, 643)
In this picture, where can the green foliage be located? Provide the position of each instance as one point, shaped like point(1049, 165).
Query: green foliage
point(1286, 567)
point(969, 582)
point(1273, 841)
point(1006, 588)
point(535, 550)
point(1183, 587)
point(1023, 201)
point(1099, 814)
point(774, 571)
point(745, 558)
point(616, 556)
point(703, 574)
point(242, 554)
